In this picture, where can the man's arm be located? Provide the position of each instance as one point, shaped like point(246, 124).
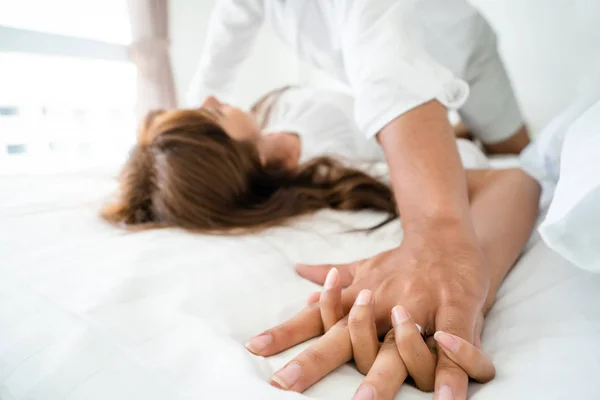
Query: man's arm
point(232, 29)
point(427, 177)
point(430, 188)
point(402, 95)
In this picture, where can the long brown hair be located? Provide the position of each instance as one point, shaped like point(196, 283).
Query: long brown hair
point(185, 171)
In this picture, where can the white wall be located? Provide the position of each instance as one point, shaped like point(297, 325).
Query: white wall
point(551, 49)
point(270, 65)
point(312, 76)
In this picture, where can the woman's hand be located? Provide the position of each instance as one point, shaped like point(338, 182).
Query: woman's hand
point(383, 364)
point(440, 281)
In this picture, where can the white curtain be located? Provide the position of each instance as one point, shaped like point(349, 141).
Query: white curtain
point(150, 53)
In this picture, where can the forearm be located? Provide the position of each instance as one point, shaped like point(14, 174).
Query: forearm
point(513, 145)
point(427, 177)
point(504, 206)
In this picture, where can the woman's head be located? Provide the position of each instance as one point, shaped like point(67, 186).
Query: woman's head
point(238, 124)
point(187, 171)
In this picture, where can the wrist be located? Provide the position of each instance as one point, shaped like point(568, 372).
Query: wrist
point(446, 223)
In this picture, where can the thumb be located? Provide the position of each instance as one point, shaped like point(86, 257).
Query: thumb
point(451, 379)
point(318, 273)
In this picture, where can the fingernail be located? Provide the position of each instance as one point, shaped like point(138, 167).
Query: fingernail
point(364, 392)
point(399, 315)
point(364, 298)
point(332, 278)
point(287, 376)
point(258, 343)
point(444, 393)
point(448, 341)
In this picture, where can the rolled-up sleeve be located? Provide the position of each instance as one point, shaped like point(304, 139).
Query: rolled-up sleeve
point(387, 66)
point(232, 30)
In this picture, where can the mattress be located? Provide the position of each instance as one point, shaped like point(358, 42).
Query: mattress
point(90, 312)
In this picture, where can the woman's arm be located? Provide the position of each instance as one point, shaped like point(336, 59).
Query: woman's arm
point(513, 145)
point(504, 206)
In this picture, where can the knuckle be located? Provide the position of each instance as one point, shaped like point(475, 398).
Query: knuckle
point(456, 293)
point(414, 286)
point(313, 357)
point(280, 334)
point(403, 334)
point(448, 367)
point(341, 324)
point(356, 320)
point(383, 375)
point(387, 284)
point(390, 338)
point(285, 331)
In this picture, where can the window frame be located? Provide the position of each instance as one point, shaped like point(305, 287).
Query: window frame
point(15, 40)
point(29, 41)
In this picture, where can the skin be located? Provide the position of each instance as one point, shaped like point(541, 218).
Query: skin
point(284, 147)
point(238, 124)
point(404, 337)
point(503, 204)
point(440, 274)
point(280, 148)
point(513, 145)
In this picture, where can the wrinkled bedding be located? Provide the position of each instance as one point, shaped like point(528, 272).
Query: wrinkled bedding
point(90, 312)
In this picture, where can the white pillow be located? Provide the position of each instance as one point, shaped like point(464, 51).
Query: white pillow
point(572, 225)
point(541, 159)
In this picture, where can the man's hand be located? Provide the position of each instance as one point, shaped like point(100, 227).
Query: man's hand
point(440, 281)
point(438, 274)
point(430, 189)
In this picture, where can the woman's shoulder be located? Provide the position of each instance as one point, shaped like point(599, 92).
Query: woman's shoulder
point(261, 108)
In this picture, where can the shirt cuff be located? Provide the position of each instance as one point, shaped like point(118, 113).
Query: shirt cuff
point(453, 95)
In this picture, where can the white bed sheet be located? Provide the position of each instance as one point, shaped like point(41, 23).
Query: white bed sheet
point(89, 312)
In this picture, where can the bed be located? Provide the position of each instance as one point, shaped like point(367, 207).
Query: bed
point(90, 312)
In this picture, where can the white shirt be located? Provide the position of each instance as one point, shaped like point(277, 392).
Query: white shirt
point(324, 122)
point(376, 46)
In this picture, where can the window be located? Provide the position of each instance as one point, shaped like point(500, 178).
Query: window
point(67, 87)
point(103, 20)
point(7, 111)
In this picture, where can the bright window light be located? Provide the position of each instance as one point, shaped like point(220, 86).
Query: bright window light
point(105, 20)
point(64, 113)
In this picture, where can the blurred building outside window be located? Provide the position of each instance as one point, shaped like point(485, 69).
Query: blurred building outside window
point(67, 87)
